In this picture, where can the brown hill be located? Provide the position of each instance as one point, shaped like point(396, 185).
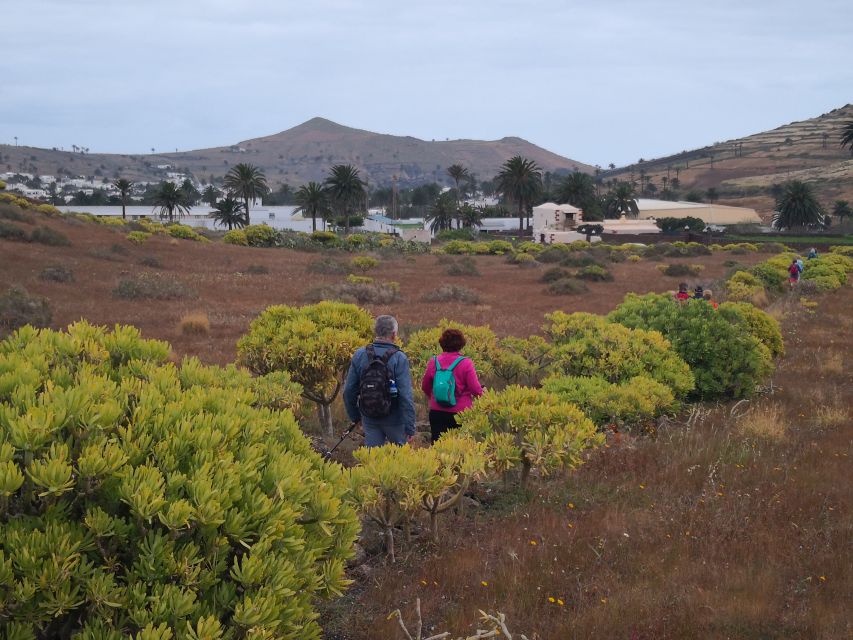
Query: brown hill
point(743, 170)
point(300, 154)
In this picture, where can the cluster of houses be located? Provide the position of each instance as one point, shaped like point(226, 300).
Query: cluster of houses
point(66, 187)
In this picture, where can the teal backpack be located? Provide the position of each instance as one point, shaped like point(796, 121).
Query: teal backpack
point(444, 384)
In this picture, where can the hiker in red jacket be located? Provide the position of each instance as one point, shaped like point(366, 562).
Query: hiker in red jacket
point(452, 385)
point(794, 273)
point(683, 294)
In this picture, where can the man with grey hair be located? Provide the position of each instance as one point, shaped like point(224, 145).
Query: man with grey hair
point(378, 389)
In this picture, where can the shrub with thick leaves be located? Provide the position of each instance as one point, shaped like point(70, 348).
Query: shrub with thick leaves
point(140, 498)
point(633, 402)
point(829, 271)
point(529, 429)
point(313, 344)
point(761, 325)
point(588, 345)
point(724, 355)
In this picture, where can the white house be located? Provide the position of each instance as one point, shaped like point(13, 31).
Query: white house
point(557, 224)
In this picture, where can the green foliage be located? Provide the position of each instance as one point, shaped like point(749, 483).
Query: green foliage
point(677, 225)
point(236, 236)
point(57, 273)
point(594, 273)
point(464, 266)
point(138, 237)
point(152, 286)
point(567, 287)
point(676, 249)
point(19, 308)
point(358, 289)
point(182, 232)
point(364, 263)
point(743, 286)
point(50, 237)
point(452, 293)
point(521, 359)
point(465, 247)
point(636, 401)
point(530, 430)
point(12, 232)
point(261, 235)
point(588, 345)
point(724, 356)
point(829, 271)
point(680, 270)
point(152, 500)
point(761, 325)
point(844, 250)
point(522, 259)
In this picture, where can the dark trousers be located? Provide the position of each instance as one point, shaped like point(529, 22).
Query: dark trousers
point(441, 421)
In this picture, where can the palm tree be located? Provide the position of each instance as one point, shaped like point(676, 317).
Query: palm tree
point(246, 181)
point(457, 172)
point(345, 189)
point(170, 198)
point(441, 213)
point(841, 209)
point(519, 181)
point(470, 216)
point(578, 189)
point(622, 200)
point(797, 206)
point(124, 186)
point(313, 200)
point(210, 195)
point(229, 212)
point(847, 135)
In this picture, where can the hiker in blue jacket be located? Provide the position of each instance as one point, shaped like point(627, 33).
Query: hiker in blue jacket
point(387, 414)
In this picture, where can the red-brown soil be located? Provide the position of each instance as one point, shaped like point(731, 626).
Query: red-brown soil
point(512, 299)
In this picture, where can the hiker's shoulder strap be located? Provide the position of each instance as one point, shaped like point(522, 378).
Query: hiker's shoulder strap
point(388, 353)
point(455, 362)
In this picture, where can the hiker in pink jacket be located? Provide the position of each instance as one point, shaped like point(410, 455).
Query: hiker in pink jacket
point(456, 398)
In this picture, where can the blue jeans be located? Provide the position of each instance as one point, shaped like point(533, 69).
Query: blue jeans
point(376, 436)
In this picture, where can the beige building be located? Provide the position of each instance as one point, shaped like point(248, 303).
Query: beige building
point(556, 224)
point(708, 212)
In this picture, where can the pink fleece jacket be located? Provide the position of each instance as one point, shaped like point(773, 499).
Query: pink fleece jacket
point(467, 383)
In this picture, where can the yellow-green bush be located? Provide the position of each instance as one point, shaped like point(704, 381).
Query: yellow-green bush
point(585, 344)
point(48, 209)
point(828, 271)
point(634, 402)
point(481, 347)
point(326, 237)
point(139, 494)
point(740, 246)
point(364, 263)
point(138, 237)
point(261, 235)
point(761, 325)
point(522, 259)
point(528, 430)
point(725, 357)
point(111, 221)
point(313, 344)
point(182, 232)
point(529, 247)
point(844, 250)
point(354, 279)
point(236, 236)
point(745, 287)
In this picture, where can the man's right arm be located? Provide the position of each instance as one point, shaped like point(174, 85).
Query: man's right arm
point(351, 393)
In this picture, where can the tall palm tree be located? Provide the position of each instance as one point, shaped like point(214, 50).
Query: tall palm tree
point(797, 206)
point(346, 189)
point(246, 181)
point(441, 213)
point(171, 199)
point(622, 200)
point(841, 209)
point(847, 135)
point(519, 181)
point(229, 212)
point(578, 189)
point(124, 186)
point(457, 172)
point(470, 216)
point(210, 195)
point(312, 199)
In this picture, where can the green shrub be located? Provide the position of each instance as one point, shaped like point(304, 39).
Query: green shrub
point(724, 356)
point(594, 273)
point(452, 293)
point(464, 266)
point(676, 249)
point(829, 271)
point(325, 237)
point(257, 269)
point(236, 236)
point(524, 260)
point(844, 250)
point(12, 232)
point(579, 259)
point(743, 286)
point(528, 430)
point(761, 325)
point(741, 247)
point(529, 247)
point(152, 286)
point(588, 345)
point(19, 308)
point(149, 495)
point(553, 274)
point(48, 209)
point(57, 273)
point(50, 237)
point(183, 232)
point(567, 287)
point(636, 401)
point(772, 278)
point(138, 237)
point(680, 270)
point(554, 253)
point(455, 234)
point(151, 261)
point(364, 263)
point(328, 265)
point(261, 235)
point(499, 247)
point(15, 214)
point(359, 292)
point(772, 247)
point(677, 225)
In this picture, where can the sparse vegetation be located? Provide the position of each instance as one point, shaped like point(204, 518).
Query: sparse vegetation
point(18, 308)
point(452, 293)
point(257, 269)
point(152, 286)
point(195, 324)
point(50, 237)
point(57, 273)
point(567, 287)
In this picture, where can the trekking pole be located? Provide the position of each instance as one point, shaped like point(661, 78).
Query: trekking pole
point(328, 454)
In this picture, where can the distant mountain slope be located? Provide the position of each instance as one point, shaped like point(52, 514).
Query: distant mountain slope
point(305, 153)
point(744, 169)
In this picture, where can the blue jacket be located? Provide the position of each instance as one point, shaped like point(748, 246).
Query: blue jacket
point(402, 409)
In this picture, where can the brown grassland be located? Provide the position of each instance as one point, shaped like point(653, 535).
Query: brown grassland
point(729, 521)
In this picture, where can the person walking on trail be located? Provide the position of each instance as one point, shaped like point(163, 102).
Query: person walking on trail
point(708, 296)
point(812, 253)
point(794, 273)
point(378, 389)
point(450, 382)
point(683, 294)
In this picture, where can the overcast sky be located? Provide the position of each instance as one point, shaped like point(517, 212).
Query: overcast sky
point(599, 81)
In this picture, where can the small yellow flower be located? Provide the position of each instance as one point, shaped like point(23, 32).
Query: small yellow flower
point(423, 582)
point(823, 578)
point(533, 542)
point(484, 583)
point(560, 602)
point(571, 505)
point(551, 599)
point(604, 601)
point(642, 486)
point(571, 526)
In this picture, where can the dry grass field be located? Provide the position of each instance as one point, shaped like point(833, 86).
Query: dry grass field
point(729, 521)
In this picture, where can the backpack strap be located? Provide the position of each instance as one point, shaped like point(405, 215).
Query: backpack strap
point(388, 353)
point(455, 362)
point(437, 364)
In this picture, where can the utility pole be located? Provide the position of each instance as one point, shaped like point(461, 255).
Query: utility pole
point(395, 205)
point(16, 141)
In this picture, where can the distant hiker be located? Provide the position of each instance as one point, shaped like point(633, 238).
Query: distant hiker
point(812, 253)
point(682, 294)
point(697, 293)
point(450, 382)
point(707, 296)
point(800, 264)
point(794, 273)
point(378, 389)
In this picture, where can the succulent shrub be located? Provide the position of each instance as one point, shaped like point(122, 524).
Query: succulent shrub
point(261, 235)
point(527, 429)
point(19, 308)
point(313, 344)
point(760, 324)
point(138, 237)
point(236, 236)
point(144, 499)
point(364, 263)
point(183, 232)
point(588, 345)
point(724, 355)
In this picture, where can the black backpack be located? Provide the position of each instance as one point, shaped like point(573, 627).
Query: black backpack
point(374, 393)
